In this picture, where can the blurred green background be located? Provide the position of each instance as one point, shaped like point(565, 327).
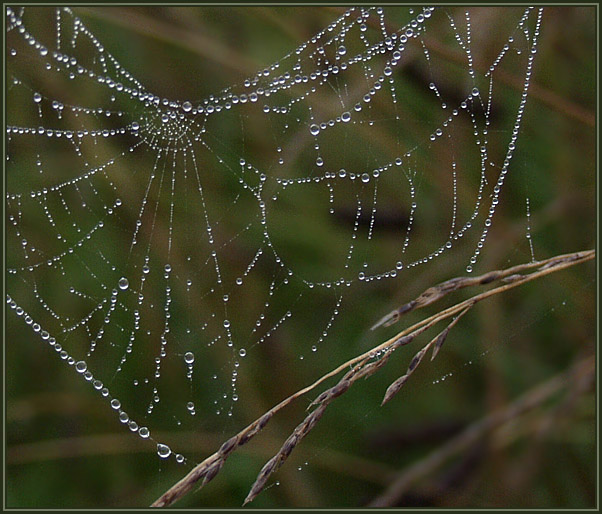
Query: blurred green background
point(65, 447)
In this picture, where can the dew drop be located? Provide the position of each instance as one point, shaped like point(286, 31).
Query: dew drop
point(123, 283)
point(189, 357)
point(163, 450)
point(314, 129)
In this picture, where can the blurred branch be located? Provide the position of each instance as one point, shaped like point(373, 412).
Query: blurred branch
point(55, 402)
point(540, 93)
point(362, 366)
point(536, 91)
point(462, 442)
point(195, 42)
point(120, 444)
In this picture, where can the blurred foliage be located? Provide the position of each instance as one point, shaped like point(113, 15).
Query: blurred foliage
point(66, 448)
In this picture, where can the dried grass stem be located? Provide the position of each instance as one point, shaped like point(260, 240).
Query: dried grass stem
point(367, 364)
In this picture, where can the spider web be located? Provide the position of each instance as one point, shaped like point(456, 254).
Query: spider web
point(162, 246)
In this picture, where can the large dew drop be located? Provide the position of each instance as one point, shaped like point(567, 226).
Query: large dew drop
point(123, 283)
point(163, 451)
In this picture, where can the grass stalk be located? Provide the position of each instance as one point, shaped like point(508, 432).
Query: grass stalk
point(367, 364)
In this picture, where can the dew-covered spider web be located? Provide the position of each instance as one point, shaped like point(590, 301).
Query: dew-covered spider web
point(165, 248)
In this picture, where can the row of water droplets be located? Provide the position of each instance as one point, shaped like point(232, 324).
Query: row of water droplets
point(81, 367)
